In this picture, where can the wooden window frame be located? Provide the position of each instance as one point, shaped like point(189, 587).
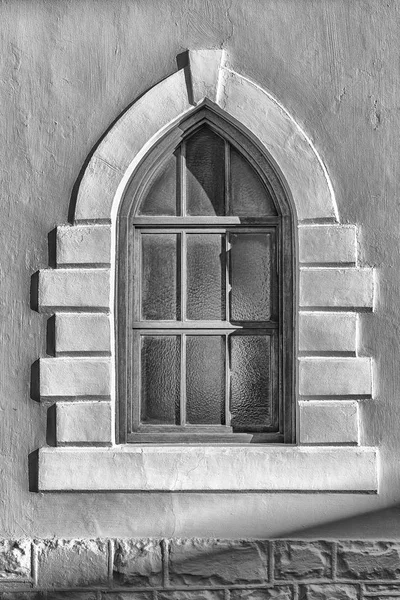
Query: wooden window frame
point(283, 226)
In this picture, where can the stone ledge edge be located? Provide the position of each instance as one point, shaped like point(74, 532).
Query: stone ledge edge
point(149, 468)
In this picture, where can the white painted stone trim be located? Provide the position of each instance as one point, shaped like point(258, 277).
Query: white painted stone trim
point(82, 289)
point(335, 376)
point(209, 468)
point(324, 332)
point(84, 423)
point(86, 333)
point(157, 111)
point(336, 288)
point(327, 422)
point(84, 245)
point(332, 244)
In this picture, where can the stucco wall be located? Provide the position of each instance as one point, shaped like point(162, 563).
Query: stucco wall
point(68, 70)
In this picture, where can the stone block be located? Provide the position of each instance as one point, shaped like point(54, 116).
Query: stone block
point(82, 332)
point(209, 468)
point(74, 377)
point(192, 595)
point(217, 562)
point(378, 591)
point(137, 563)
point(84, 422)
point(327, 244)
point(84, 244)
point(72, 563)
point(74, 288)
point(327, 332)
point(302, 560)
point(19, 595)
point(131, 595)
point(204, 71)
point(335, 377)
point(368, 560)
point(331, 591)
point(278, 592)
point(328, 422)
point(336, 288)
point(70, 595)
point(15, 560)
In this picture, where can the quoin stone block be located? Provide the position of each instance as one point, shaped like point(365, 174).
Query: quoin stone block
point(336, 288)
point(213, 562)
point(332, 244)
point(84, 422)
point(302, 560)
point(74, 289)
point(82, 332)
point(74, 377)
point(84, 244)
point(328, 422)
point(72, 563)
point(137, 563)
point(327, 332)
point(335, 377)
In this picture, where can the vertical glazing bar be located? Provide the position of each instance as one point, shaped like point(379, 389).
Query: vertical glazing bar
point(227, 177)
point(137, 275)
point(227, 278)
point(135, 408)
point(183, 275)
point(182, 179)
point(227, 382)
point(183, 380)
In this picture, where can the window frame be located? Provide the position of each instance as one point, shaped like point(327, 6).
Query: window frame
point(286, 257)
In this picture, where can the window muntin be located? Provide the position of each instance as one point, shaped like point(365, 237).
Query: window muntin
point(205, 344)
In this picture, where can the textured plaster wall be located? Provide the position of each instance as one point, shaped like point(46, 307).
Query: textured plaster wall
point(68, 69)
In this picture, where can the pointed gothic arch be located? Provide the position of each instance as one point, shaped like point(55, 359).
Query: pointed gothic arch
point(208, 175)
point(81, 377)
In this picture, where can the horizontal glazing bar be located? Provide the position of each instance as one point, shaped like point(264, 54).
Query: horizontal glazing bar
point(213, 326)
point(204, 221)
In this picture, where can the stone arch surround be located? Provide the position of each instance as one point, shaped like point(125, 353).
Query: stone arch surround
point(332, 378)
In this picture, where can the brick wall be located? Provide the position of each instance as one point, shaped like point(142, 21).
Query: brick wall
point(194, 569)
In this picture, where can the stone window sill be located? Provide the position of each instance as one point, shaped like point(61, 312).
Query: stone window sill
point(131, 468)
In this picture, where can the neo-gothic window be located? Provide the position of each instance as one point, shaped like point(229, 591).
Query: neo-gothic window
point(205, 293)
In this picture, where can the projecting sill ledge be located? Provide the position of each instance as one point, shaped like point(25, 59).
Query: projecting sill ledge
point(209, 469)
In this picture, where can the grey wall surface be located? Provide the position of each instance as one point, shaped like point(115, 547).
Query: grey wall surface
point(68, 69)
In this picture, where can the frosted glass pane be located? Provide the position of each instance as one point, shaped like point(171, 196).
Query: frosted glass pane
point(161, 195)
point(160, 399)
point(205, 379)
point(205, 173)
point(205, 276)
point(250, 268)
point(159, 276)
point(250, 381)
point(249, 196)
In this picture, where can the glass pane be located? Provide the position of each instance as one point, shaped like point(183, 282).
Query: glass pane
point(249, 197)
point(160, 285)
point(160, 379)
point(205, 173)
point(205, 379)
point(161, 196)
point(205, 276)
point(250, 381)
point(250, 268)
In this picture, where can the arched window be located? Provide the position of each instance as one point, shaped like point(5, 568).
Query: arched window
point(205, 293)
